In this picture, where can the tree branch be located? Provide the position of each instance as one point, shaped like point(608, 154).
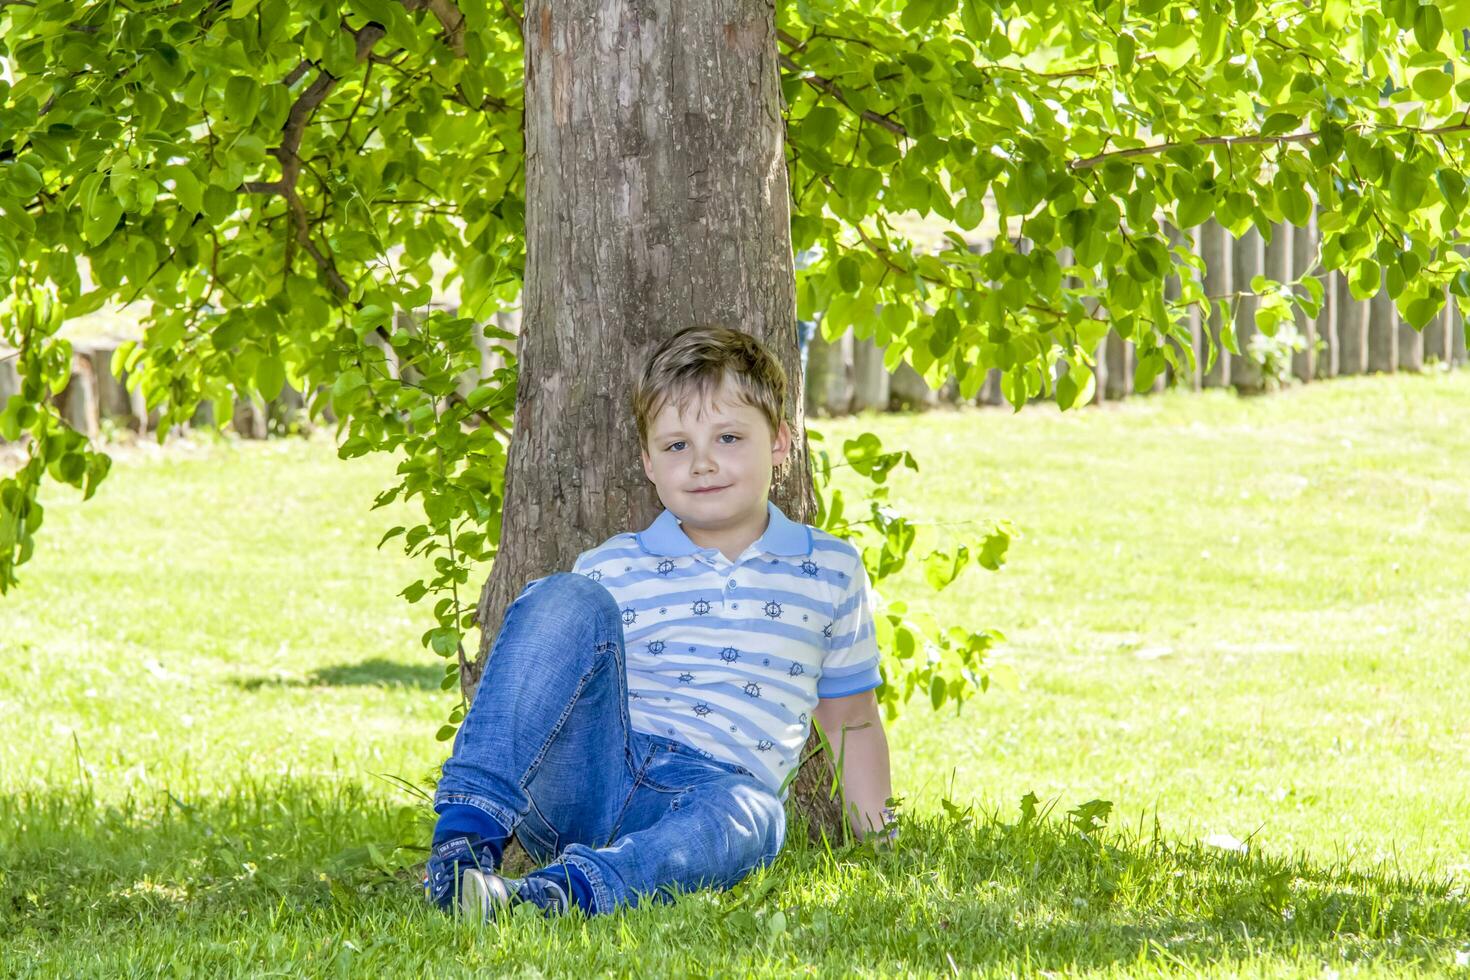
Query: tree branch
point(1255, 139)
point(830, 87)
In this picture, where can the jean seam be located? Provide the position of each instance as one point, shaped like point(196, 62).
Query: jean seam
point(556, 728)
point(494, 811)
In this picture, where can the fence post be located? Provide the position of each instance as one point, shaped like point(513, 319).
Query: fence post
point(907, 389)
point(1119, 359)
point(1247, 262)
point(869, 376)
point(1437, 335)
point(1278, 267)
point(829, 374)
point(78, 400)
point(1215, 251)
point(1173, 289)
point(1383, 330)
point(1456, 323)
point(1411, 347)
point(1303, 251)
point(1352, 329)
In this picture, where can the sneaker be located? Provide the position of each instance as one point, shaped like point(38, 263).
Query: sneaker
point(448, 862)
point(483, 895)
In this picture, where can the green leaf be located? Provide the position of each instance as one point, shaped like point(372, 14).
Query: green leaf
point(1432, 83)
point(941, 568)
point(1174, 45)
point(1194, 208)
point(102, 218)
point(1280, 122)
point(242, 98)
point(938, 691)
point(819, 126)
point(270, 377)
point(1428, 26)
point(1148, 368)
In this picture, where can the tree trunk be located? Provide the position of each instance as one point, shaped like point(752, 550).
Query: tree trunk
point(656, 198)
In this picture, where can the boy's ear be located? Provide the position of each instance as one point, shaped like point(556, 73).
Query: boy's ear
point(781, 445)
point(647, 464)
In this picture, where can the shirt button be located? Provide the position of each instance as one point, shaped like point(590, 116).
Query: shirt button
point(730, 584)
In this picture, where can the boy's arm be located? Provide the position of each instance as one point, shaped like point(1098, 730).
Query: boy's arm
point(855, 728)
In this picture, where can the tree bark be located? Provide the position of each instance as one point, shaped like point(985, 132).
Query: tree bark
point(656, 198)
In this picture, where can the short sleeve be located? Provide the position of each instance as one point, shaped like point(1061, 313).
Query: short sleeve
point(851, 662)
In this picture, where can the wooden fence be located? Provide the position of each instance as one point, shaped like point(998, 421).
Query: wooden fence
point(1349, 337)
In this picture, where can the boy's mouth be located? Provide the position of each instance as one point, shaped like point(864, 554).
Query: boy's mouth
point(710, 489)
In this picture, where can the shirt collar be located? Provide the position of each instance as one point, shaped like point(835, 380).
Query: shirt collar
point(783, 536)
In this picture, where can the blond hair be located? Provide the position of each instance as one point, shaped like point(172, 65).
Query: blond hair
point(695, 361)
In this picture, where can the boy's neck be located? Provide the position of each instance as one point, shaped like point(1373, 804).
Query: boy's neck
point(731, 542)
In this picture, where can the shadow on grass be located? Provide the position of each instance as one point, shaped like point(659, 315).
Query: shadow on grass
point(377, 672)
point(270, 868)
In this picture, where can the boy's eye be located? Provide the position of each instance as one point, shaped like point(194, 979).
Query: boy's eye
point(731, 436)
point(674, 447)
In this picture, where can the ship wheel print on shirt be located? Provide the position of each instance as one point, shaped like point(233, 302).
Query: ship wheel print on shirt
point(773, 609)
point(665, 567)
point(729, 655)
point(809, 567)
point(700, 607)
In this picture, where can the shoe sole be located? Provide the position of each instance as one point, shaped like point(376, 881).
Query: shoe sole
point(481, 896)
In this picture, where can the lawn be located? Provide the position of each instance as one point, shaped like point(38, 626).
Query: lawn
point(1235, 620)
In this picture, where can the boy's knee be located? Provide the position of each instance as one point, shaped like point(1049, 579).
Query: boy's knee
point(569, 590)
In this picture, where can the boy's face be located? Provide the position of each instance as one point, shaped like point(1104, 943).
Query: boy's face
point(725, 444)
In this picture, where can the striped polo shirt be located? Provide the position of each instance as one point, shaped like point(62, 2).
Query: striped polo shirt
point(730, 657)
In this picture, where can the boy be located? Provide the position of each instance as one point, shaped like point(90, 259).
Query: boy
point(640, 714)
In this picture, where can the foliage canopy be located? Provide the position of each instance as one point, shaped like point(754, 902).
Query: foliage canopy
point(276, 180)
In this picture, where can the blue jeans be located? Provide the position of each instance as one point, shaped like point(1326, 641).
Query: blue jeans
point(546, 751)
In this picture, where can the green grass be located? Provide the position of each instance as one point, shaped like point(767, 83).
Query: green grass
point(1243, 617)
